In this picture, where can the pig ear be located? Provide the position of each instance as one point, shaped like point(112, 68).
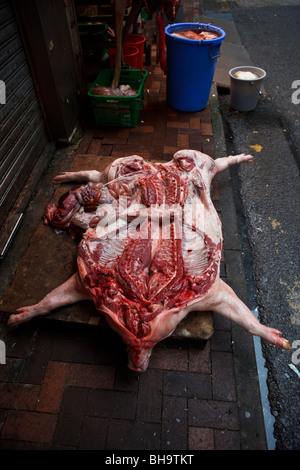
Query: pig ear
point(205, 164)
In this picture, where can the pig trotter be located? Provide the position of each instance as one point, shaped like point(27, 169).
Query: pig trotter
point(225, 162)
point(273, 336)
point(79, 176)
point(25, 314)
point(67, 293)
point(230, 306)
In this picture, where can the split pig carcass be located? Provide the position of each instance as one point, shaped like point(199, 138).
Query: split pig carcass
point(150, 249)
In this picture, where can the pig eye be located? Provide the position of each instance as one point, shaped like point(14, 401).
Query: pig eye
point(186, 163)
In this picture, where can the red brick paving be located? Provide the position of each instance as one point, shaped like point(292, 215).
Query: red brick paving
point(84, 397)
point(68, 387)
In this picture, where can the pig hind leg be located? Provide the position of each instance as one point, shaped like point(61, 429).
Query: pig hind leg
point(230, 306)
point(67, 293)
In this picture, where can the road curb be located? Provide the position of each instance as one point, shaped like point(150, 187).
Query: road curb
point(252, 428)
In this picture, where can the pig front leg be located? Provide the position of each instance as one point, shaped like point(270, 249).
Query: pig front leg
point(223, 163)
point(84, 176)
point(229, 305)
point(67, 293)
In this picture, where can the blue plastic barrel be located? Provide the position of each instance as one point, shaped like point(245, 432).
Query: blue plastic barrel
point(190, 66)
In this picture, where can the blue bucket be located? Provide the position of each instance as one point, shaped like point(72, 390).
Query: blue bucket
point(190, 66)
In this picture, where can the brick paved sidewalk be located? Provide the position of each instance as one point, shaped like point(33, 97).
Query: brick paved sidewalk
point(68, 386)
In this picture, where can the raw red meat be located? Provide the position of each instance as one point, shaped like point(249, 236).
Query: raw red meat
point(150, 249)
point(200, 35)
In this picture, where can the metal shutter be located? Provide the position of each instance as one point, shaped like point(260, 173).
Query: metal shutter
point(23, 135)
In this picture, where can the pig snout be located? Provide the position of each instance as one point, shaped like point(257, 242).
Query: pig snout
point(138, 360)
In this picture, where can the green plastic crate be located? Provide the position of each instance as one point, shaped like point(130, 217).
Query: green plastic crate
point(118, 111)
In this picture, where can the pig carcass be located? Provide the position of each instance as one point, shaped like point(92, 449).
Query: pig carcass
point(150, 249)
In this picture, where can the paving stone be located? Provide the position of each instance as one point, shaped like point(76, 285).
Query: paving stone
point(69, 422)
point(221, 323)
point(201, 439)
point(195, 123)
point(8, 444)
point(225, 439)
point(36, 363)
point(169, 358)
point(11, 371)
point(124, 435)
point(93, 434)
point(206, 128)
point(199, 357)
point(174, 423)
point(111, 404)
point(69, 347)
point(29, 426)
point(53, 386)
point(221, 341)
point(150, 396)
point(91, 376)
point(19, 342)
point(95, 147)
point(18, 396)
point(222, 367)
point(110, 349)
point(187, 384)
point(126, 380)
point(213, 414)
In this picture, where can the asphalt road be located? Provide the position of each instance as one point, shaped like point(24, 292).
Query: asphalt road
point(268, 196)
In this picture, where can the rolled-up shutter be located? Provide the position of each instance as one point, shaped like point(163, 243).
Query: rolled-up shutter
point(23, 136)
